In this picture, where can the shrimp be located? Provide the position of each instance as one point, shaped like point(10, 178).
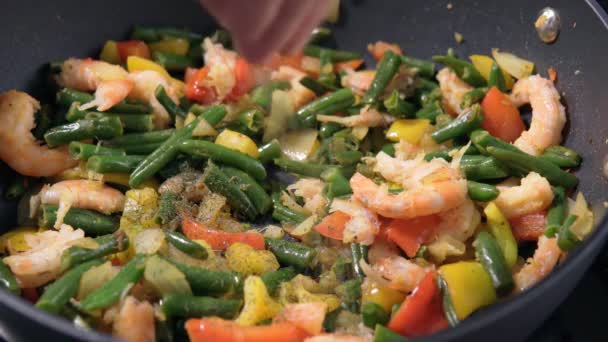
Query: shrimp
point(548, 114)
point(188, 184)
point(367, 117)
point(144, 87)
point(430, 187)
point(452, 89)
point(311, 189)
point(299, 94)
point(396, 272)
point(359, 81)
point(455, 227)
point(545, 258)
point(222, 66)
point(18, 147)
point(84, 194)
point(41, 263)
point(363, 225)
point(110, 82)
point(135, 322)
point(533, 195)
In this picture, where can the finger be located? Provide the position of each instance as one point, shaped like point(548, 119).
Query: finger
point(313, 19)
point(292, 23)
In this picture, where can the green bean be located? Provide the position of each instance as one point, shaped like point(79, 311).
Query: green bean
point(181, 242)
point(66, 96)
point(152, 34)
point(92, 222)
point(269, 151)
point(483, 139)
point(446, 300)
point(561, 156)
point(130, 122)
point(250, 121)
point(373, 314)
point(8, 280)
point(443, 120)
point(207, 282)
point(108, 244)
point(82, 151)
point(496, 78)
point(389, 149)
point(336, 55)
point(384, 334)
point(135, 139)
point(213, 117)
point(425, 68)
point(171, 107)
point(254, 191)
point(398, 107)
point(168, 150)
point(110, 292)
point(350, 295)
point(465, 123)
point(262, 95)
point(317, 87)
point(57, 295)
point(167, 209)
point(107, 164)
point(466, 71)
point(472, 97)
point(74, 113)
point(481, 192)
point(172, 61)
point(490, 256)
point(386, 70)
point(16, 188)
point(273, 279)
point(142, 149)
point(218, 182)
point(328, 129)
point(557, 212)
point(326, 73)
point(187, 306)
point(551, 172)
point(302, 168)
point(426, 85)
point(284, 214)
point(358, 252)
point(98, 128)
point(292, 253)
point(224, 155)
point(482, 167)
point(337, 184)
point(329, 104)
point(438, 154)
point(319, 34)
point(566, 240)
point(430, 111)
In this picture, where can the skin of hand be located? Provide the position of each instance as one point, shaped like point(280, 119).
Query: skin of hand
point(260, 28)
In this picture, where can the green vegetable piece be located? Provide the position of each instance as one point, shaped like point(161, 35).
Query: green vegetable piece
point(207, 282)
point(482, 167)
point(269, 151)
point(472, 97)
point(181, 242)
point(557, 212)
point(262, 95)
point(481, 192)
point(358, 252)
point(187, 306)
point(384, 334)
point(254, 191)
point(490, 256)
point(319, 88)
point(82, 151)
point(425, 68)
point(465, 70)
point(293, 254)
point(171, 61)
point(465, 123)
point(337, 184)
point(94, 128)
point(562, 156)
point(336, 55)
point(329, 104)
point(350, 294)
point(136, 139)
point(107, 164)
point(92, 222)
point(218, 182)
point(387, 68)
point(8, 280)
point(273, 279)
point(446, 300)
point(171, 107)
point(430, 111)
point(398, 107)
point(373, 314)
point(496, 78)
point(566, 240)
point(108, 244)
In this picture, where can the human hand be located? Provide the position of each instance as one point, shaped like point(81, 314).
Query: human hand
point(260, 28)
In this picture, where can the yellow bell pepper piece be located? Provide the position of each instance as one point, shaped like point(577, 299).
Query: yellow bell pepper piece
point(410, 130)
point(332, 301)
point(14, 240)
point(237, 141)
point(501, 229)
point(381, 295)
point(109, 53)
point(135, 63)
point(123, 179)
point(258, 304)
point(303, 289)
point(138, 214)
point(245, 259)
point(469, 285)
point(177, 46)
point(483, 64)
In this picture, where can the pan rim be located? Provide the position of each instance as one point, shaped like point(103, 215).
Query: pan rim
point(496, 312)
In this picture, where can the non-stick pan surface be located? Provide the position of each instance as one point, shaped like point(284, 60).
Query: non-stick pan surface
point(35, 32)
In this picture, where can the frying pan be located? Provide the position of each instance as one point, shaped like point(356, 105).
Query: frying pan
point(35, 32)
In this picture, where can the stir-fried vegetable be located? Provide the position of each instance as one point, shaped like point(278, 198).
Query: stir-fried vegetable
point(311, 197)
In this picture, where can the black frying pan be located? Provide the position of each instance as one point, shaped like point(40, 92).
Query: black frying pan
point(35, 32)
